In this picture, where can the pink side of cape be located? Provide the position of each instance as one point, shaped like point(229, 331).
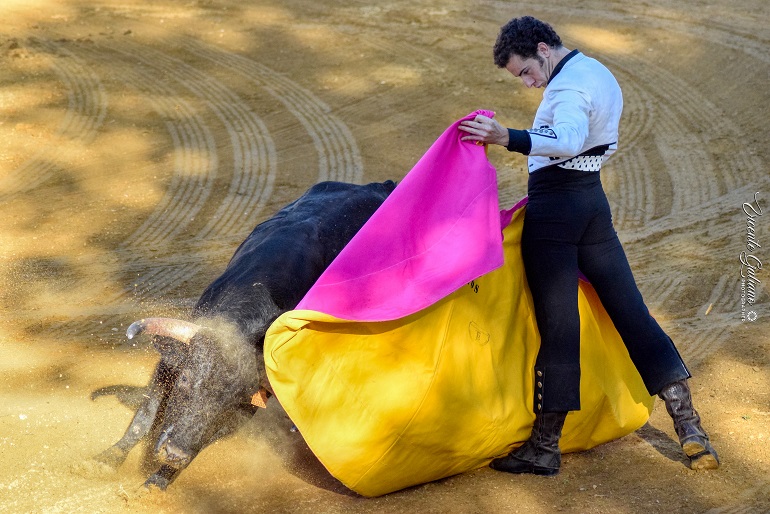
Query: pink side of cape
point(437, 231)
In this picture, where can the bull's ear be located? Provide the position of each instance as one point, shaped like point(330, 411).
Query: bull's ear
point(170, 349)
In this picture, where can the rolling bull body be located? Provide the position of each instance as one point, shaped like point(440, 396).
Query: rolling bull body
point(211, 367)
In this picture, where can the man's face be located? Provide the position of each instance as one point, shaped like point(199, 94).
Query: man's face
point(530, 71)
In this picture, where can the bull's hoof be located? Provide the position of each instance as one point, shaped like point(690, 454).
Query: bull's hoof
point(92, 468)
point(111, 457)
point(161, 479)
point(156, 482)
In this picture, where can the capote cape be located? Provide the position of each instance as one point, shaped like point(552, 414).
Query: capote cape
point(411, 358)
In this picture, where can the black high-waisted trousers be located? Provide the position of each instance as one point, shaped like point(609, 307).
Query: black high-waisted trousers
point(568, 227)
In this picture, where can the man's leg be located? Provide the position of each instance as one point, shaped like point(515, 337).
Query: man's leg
point(652, 351)
point(656, 358)
point(550, 262)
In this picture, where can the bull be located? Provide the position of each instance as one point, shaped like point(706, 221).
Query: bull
point(211, 367)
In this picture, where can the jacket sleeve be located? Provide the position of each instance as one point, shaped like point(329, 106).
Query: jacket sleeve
point(571, 110)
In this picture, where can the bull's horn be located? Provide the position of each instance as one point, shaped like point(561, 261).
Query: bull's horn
point(177, 329)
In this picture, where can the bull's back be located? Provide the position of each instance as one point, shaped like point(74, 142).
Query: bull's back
point(289, 251)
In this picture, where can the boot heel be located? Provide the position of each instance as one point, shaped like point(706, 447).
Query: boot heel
point(545, 472)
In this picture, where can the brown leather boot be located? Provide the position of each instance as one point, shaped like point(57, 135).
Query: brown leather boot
point(692, 437)
point(540, 455)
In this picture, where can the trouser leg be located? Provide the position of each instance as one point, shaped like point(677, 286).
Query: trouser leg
point(550, 263)
point(606, 267)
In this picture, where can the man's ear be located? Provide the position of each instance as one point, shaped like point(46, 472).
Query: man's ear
point(543, 50)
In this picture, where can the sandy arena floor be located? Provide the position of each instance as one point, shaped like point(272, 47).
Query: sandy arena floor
point(141, 142)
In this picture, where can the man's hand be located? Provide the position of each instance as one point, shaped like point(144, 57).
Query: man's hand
point(485, 130)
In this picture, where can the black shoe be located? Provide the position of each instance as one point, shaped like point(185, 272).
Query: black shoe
point(540, 455)
point(692, 437)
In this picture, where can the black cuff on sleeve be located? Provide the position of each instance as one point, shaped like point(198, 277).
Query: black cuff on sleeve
point(519, 141)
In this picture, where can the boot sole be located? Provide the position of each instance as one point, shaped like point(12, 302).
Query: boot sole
point(520, 467)
point(531, 471)
point(701, 457)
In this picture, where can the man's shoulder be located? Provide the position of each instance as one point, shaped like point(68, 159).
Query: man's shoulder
point(584, 63)
point(583, 72)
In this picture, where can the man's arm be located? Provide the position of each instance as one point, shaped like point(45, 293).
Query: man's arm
point(565, 138)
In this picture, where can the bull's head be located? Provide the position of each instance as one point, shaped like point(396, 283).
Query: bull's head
point(217, 375)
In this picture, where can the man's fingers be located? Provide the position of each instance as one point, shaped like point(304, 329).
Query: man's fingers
point(481, 129)
point(484, 130)
point(471, 130)
point(474, 127)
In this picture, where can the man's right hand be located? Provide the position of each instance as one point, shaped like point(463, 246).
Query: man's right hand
point(484, 129)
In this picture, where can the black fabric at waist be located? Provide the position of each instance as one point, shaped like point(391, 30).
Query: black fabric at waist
point(554, 178)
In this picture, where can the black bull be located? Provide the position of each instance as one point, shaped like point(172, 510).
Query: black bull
point(211, 367)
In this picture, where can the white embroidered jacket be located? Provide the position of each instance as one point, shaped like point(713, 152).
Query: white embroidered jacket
point(580, 112)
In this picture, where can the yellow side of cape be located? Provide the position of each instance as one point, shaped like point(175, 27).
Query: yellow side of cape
point(388, 405)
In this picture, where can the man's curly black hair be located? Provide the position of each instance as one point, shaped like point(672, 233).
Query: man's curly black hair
point(520, 36)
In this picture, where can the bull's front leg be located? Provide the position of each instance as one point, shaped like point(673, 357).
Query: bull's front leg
point(144, 418)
